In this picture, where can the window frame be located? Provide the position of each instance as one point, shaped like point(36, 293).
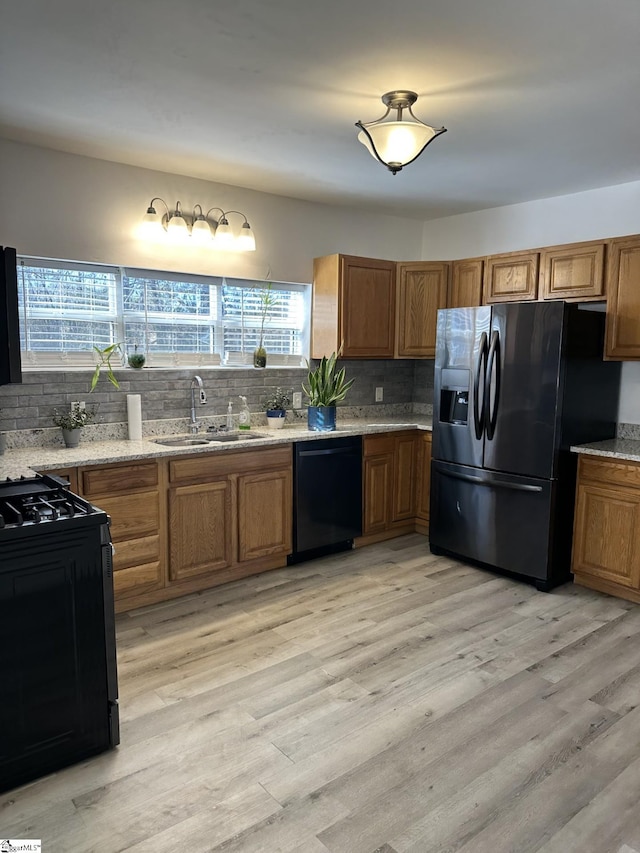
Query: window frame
point(39, 358)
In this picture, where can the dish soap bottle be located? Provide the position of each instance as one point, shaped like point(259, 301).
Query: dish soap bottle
point(244, 419)
point(230, 417)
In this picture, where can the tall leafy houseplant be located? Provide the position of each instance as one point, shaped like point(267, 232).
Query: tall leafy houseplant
point(326, 386)
point(267, 300)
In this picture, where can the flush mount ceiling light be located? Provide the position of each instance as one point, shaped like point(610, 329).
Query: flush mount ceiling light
point(397, 142)
point(200, 228)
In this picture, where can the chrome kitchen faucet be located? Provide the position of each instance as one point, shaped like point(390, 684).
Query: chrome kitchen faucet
point(196, 382)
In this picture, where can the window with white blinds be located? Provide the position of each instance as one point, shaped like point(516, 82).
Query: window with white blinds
point(173, 318)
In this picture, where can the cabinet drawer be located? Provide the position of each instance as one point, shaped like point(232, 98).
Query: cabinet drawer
point(136, 579)
point(202, 468)
point(609, 471)
point(132, 516)
point(120, 478)
point(135, 552)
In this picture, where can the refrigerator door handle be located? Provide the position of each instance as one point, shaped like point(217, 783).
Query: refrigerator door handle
point(491, 417)
point(488, 481)
point(478, 416)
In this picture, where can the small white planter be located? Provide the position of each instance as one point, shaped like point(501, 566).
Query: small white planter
point(276, 418)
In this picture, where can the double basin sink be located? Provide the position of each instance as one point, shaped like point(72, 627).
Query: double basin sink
point(196, 440)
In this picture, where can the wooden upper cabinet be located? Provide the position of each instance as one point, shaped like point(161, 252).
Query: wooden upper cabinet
point(574, 272)
point(623, 299)
point(421, 290)
point(354, 306)
point(465, 288)
point(512, 277)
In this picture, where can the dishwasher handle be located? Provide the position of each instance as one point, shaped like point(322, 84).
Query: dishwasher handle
point(333, 451)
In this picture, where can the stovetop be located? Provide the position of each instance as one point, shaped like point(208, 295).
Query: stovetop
point(39, 499)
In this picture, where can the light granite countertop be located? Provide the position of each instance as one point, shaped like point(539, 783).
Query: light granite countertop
point(23, 462)
point(615, 448)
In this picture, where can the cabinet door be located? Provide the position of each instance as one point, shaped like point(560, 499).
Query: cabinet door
point(606, 543)
point(377, 501)
point(422, 289)
point(623, 308)
point(573, 272)
point(512, 277)
point(200, 538)
point(367, 308)
point(465, 290)
point(404, 478)
point(264, 514)
point(424, 476)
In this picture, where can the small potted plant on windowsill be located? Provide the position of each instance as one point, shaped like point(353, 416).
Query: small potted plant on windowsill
point(276, 408)
point(326, 386)
point(71, 423)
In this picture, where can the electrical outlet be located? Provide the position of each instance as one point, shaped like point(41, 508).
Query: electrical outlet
point(80, 404)
point(379, 394)
point(297, 399)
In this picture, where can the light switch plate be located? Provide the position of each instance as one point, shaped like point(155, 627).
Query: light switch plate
point(379, 394)
point(297, 399)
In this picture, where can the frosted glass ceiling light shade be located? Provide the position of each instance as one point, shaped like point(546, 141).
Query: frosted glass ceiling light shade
point(223, 238)
point(198, 229)
point(201, 231)
point(397, 142)
point(151, 225)
point(177, 228)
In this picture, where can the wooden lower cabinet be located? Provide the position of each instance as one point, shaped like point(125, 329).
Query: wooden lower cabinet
point(390, 478)
point(130, 494)
point(265, 503)
point(200, 531)
point(186, 523)
point(606, 545)
point(229, 515)
point(423, 483)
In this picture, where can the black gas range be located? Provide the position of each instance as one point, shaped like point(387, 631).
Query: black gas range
point(40, 499)
point(57, 630)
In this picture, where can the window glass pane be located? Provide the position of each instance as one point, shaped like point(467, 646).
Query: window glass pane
point(67, 307)
point(66, 310)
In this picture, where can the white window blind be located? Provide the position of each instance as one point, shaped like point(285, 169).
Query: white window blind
point(67, 308)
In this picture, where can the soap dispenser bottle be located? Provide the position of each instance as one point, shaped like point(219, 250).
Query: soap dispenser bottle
point(230, 417)
point(244, 419)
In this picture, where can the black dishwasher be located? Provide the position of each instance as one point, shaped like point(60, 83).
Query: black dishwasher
point(327, 505)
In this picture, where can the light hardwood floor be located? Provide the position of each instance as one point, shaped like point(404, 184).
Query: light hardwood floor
point(380, 700)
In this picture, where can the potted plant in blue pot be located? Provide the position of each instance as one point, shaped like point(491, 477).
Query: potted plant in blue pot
point(326, 386)
point(276, 408)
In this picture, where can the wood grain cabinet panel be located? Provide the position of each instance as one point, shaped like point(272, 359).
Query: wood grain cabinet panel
point(511, 277)
point(606, 545)
point(353, 307)
point(424, 482)
point(574, 272)
point(264, 514)
point(378, 485)
point(421, 291)
point(404, 479)
point(130, 494)
point(389, 484)
point(200, 531)
point(623, 299)
point(465, 289)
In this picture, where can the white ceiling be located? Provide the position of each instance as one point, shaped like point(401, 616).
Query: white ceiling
point(540, 97)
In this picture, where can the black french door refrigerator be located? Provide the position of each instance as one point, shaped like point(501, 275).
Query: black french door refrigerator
point(515, 386)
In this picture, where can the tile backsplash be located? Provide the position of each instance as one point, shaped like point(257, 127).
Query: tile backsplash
point(166, 392)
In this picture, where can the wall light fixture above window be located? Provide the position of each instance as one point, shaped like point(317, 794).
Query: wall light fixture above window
point(397, 142)
point(199, 228)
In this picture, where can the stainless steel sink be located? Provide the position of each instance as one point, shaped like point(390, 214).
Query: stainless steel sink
point(234, 436)
point(187, 441)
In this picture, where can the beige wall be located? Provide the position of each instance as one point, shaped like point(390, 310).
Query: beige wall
point(61, 205)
